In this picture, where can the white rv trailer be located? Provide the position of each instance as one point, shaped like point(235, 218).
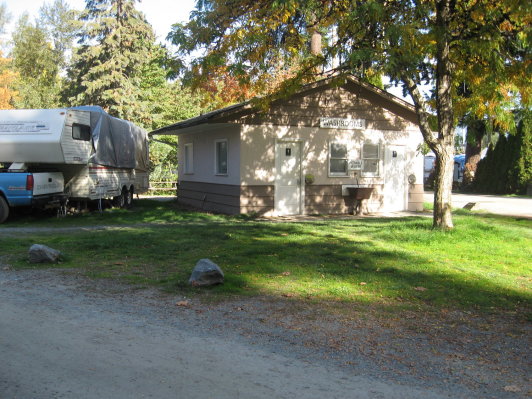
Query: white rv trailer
point(99, 156)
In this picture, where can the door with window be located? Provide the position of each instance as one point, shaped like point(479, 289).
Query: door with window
point(395, 194)
point(288, 178)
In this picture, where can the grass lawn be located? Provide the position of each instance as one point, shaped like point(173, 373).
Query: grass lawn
point(484, 263)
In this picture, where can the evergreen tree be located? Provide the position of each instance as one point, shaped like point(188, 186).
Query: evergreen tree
point(507, 167)
point(117, 44)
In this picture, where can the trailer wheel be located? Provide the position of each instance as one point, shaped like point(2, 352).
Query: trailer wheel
point(4, 210)
point(129, 198)
point(124, 198)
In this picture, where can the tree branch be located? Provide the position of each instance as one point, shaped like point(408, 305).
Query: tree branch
point(421, 109)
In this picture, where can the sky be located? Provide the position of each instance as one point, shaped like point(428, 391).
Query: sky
point(161, 14)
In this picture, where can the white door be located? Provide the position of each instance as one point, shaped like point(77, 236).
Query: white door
point(288, 178)
point(395, 194)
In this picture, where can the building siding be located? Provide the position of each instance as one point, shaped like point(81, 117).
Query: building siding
point(257, 199)
point(306, 109)
point(211, 197)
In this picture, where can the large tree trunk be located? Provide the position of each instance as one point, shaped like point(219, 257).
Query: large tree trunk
point(444, 151)
point(442, 141)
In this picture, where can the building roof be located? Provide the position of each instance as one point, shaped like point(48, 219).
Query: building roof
point(248, 106)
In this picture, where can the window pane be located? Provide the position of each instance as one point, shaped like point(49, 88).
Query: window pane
point(338, 150)
point(371, 166)
point(221, 157)
point(81, 132)
point(370, 151)
point(338, 166)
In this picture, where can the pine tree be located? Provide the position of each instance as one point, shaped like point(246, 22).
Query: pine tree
point(116, 45)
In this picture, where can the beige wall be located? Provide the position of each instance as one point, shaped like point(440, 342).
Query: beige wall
point(252, 139)
point(203, 138)
point(258, 159)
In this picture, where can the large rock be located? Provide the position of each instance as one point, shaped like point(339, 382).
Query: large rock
point(42, 254)
point(206, 273)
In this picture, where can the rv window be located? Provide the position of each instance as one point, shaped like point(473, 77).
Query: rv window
point(81, 132)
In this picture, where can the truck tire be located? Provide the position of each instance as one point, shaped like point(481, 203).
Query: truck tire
point(4, 210)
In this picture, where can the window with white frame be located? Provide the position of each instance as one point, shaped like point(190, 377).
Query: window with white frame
point(220, 154)
point(337, 159)
point(189, 158)
point(371, 159)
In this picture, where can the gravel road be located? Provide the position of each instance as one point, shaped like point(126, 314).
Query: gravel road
point(65, 336)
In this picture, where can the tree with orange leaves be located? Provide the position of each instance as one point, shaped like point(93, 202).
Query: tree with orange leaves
point(7, 80)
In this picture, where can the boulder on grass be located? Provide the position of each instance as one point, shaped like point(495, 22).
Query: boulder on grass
point(42, 254)
point(206, 273)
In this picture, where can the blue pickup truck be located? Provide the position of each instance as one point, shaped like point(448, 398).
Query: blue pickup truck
point(30, 190)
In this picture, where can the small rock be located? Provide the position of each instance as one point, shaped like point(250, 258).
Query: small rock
point(42, 254)
point(206, 273)
point(470, 206)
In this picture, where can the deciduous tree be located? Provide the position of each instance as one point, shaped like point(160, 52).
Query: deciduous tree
point(439, 43)
point(36, 64)
point(61, 24)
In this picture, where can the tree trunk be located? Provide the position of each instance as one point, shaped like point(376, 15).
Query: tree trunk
point(443, 185)
point(476, 130)
point(315, 42)
point(444, 151)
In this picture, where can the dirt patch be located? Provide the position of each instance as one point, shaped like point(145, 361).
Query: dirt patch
point(456, 353)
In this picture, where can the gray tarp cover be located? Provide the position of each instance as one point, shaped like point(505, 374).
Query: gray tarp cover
point(117, 143)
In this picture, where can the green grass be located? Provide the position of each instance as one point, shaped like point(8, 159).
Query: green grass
point(484, 263)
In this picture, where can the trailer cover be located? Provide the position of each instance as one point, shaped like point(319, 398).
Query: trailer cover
point(117, 143)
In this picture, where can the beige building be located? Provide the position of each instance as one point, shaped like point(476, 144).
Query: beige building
point(304, 154)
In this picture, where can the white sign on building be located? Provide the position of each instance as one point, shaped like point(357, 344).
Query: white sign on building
point(342, 123)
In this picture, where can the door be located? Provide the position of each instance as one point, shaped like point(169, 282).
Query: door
point(395, 194)
point(288, 178)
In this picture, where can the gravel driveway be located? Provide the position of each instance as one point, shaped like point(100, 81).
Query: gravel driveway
point(66, 336)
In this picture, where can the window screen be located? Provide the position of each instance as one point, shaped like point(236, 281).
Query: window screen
point(81, 132)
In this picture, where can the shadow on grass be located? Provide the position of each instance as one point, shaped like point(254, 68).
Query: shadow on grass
point(354, 261)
